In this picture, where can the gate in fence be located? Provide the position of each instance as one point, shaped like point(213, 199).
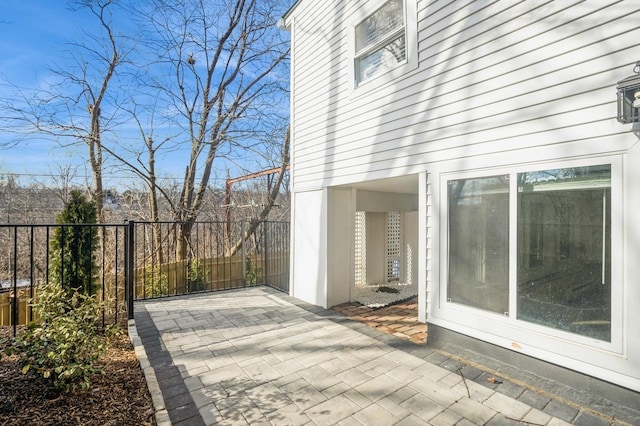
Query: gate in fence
point(139, 260)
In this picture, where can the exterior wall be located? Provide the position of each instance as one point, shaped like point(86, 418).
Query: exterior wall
point(309, 245)
point(492, 77)
point(499, 86)
point(340, 246)
point(323, 267)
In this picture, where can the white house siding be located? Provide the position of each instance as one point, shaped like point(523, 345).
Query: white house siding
point(490, 72)
point(309, 263)
point(499, 84)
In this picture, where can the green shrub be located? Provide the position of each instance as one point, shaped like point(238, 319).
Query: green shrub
point(253, 273)
point(64, 345)
point(196, 276)
point(156, 283)
point(73, 247)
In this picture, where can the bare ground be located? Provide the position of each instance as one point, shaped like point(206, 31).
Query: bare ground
point(118, 397)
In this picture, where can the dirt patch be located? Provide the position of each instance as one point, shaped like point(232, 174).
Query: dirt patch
point(118, 397)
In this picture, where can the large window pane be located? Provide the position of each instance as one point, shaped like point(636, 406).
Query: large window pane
point(381, 60)
point(377, 26)
point(564, 249)
point(479, 243)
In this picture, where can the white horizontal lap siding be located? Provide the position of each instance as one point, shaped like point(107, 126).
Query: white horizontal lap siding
point(483, 77)
point(521, 119)
point(456, 114)
point(320, 68)
point(596, 137)
point(320, 61)
point(356, 106)
point(317, 34)
point(525, 68)
point(521, 28)
point(516, 108)
point(456, 160)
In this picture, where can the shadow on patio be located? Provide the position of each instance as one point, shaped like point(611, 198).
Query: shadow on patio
point(257, 355)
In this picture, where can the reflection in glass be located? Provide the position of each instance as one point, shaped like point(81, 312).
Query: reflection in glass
point(378, 25)
point(384, 59)
point(564, 249)
point(380, 43)
point(479, 243)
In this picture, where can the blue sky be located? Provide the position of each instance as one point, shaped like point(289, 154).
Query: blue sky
point(35, 36)
point(32, 33)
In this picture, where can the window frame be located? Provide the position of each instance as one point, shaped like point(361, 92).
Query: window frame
point(484, 292)
point(469, 316)
point(409, 29)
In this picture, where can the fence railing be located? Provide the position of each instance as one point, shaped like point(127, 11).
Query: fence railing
point(139, 260)
point(28, 259)
point(167, 265)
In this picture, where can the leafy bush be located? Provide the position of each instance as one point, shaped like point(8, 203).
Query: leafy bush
point(65, 344)
point(196, 276)
point(253, 273)
point(156, 283)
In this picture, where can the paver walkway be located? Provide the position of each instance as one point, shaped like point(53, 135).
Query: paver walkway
point(256, 356)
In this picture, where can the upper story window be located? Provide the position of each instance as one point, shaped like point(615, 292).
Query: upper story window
point(380, 41)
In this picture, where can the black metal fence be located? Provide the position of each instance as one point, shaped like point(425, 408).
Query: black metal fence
point(212, 256)
point(29, 258)
point(139, 260)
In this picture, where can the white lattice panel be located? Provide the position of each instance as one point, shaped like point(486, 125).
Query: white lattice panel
point(394, 247)
point(360, 249)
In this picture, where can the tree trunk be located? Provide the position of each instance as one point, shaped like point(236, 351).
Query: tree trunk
point(183, 239)
point(270, 202)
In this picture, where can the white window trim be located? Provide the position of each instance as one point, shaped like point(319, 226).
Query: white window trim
point(411, 46)
point(493, 323)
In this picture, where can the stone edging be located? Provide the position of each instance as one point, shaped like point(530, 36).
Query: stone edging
point(162, 416)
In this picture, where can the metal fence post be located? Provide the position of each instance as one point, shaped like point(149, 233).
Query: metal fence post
point(266, 252)
point(15, 301)
point(244, 256)
point(128, 265)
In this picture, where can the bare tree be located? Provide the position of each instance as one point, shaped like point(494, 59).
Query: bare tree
point(221, 56)
point(284, 165)
point(142, 162)
point(62, 180)
point(206, 77)
point(79, 107)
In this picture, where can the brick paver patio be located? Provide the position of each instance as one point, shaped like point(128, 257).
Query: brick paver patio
point(257, 356)
point(399, 319)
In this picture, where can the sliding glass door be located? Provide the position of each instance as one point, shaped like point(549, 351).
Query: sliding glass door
point(564, 249)
point(561, 254)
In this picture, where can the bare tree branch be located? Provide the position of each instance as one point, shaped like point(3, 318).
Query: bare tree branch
point(60, 112)
point(273, 195)
point(221, 69)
